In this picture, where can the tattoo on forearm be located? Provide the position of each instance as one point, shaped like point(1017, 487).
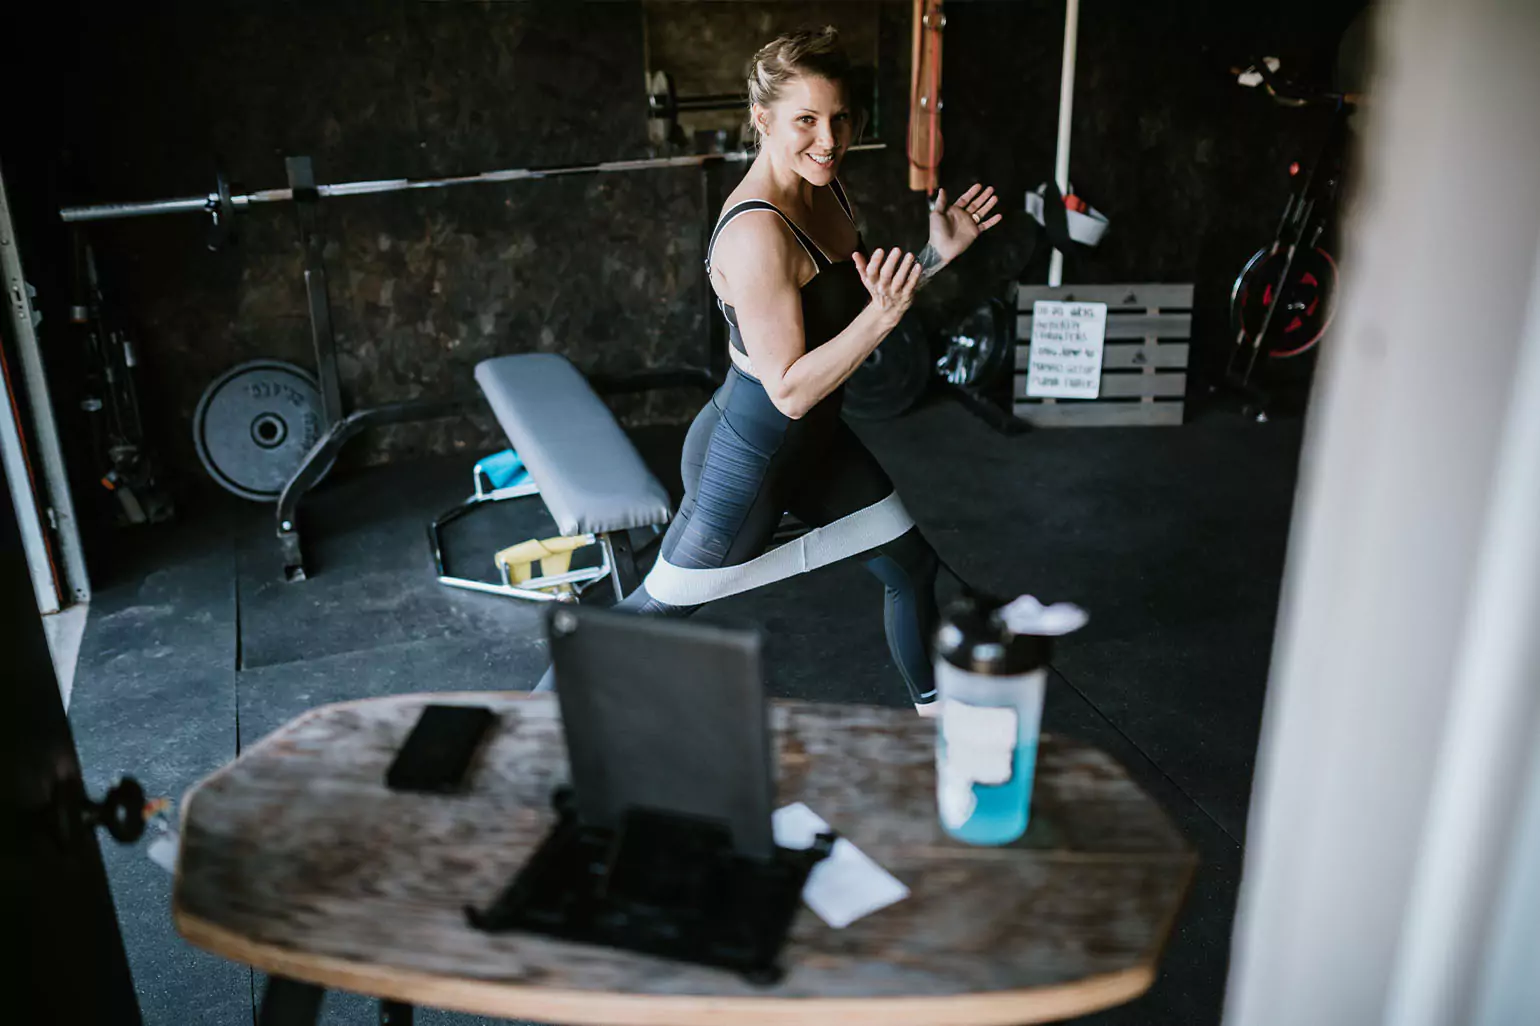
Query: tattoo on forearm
point(930, 262)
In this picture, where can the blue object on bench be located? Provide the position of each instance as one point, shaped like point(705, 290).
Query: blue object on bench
point(502, 470)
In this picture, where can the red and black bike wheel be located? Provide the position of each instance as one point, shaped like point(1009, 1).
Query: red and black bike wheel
point(1303, 305)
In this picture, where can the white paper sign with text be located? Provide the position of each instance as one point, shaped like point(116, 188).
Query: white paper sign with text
point(1065, 360)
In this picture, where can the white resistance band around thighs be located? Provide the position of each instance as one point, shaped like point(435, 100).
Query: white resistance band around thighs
point(848, 536)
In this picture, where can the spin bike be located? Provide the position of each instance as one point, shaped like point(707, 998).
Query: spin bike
point(1282, 302)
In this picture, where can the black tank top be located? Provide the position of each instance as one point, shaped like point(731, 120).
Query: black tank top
point(830, 299)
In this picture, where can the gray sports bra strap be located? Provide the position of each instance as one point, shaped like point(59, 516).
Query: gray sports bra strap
point(819, 260)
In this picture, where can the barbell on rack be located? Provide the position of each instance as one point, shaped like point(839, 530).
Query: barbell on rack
point(221, 204)
point(666, 104)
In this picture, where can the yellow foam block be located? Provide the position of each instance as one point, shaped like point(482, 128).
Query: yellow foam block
point(553, 554)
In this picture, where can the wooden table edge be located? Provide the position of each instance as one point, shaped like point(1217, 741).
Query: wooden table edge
point(599, 1008)
point(610, 1008)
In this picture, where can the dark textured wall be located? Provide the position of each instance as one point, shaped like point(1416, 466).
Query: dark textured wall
point(423, 284)
point(607, 268)
point(704, 48)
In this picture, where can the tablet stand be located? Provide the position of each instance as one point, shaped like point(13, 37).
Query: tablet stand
point(662, 884)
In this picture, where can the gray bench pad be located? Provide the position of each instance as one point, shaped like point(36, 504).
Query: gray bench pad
point(590, 475)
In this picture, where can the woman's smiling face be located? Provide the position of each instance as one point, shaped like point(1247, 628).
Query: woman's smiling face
point(808, 128)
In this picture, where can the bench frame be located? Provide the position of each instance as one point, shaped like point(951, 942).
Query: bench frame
point(617, 563)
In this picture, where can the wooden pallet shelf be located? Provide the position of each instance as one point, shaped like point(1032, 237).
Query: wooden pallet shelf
point(1143, 382)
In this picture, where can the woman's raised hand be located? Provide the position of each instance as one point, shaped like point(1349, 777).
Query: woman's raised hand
point(954, 226)
point(891, 276)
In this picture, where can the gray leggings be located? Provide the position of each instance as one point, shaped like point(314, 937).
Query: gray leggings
point(745, 464)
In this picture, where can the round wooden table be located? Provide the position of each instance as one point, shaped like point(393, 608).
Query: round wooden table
point(297, 860)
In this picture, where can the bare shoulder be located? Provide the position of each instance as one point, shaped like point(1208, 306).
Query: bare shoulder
point(757, 244)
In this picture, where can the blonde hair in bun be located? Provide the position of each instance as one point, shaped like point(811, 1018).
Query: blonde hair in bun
point(814, 52)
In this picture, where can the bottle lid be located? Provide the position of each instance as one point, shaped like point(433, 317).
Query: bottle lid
point(984, 635)
point(1026, 615)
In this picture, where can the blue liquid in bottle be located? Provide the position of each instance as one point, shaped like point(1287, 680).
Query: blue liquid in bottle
point(1002, 810)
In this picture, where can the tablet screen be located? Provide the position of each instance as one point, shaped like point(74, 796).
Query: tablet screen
point(664, 715)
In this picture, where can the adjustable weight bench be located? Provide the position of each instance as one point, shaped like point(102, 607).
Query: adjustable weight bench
point(582, 466)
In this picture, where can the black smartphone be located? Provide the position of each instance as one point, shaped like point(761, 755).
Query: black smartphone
point(439, 749)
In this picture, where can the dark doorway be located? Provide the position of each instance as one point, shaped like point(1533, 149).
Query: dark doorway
point(73, 969)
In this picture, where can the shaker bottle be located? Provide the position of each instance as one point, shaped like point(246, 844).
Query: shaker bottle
point(991, 666)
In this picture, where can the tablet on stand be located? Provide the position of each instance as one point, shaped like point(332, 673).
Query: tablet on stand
point(664, 841)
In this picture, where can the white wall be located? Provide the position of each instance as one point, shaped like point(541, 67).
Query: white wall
point(1403, 700)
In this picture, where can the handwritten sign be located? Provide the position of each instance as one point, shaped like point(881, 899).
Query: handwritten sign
point(1066, 353)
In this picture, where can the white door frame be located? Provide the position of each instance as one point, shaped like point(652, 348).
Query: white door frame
point(34, 460)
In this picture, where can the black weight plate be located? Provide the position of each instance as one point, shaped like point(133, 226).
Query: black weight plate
point(893, 378)
point(254, 424)
point(980, 348)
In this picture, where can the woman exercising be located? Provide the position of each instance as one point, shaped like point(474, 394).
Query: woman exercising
point(771, 440)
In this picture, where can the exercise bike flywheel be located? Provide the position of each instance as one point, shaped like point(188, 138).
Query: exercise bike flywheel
point(1302, 307)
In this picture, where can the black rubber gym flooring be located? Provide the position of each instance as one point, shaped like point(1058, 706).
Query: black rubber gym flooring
point(1173, 539)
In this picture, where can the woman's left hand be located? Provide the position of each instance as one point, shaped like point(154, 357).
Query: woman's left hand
point(954, 226)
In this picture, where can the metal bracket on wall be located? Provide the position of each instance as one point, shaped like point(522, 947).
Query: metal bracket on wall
point(302, 180)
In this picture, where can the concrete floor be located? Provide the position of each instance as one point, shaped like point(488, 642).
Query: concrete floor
point(1172, 538)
